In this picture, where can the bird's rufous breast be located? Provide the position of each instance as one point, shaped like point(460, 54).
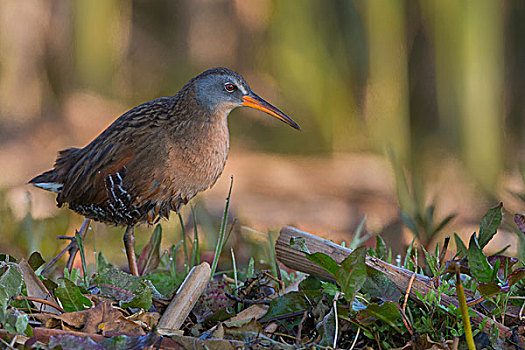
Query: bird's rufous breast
point(197, 159)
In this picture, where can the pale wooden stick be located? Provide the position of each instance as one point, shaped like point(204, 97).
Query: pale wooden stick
point(185, 298)
point(297, 260)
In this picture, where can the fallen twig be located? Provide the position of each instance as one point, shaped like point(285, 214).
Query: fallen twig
point(41, 301)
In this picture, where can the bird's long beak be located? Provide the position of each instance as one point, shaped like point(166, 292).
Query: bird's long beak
point(256, 102)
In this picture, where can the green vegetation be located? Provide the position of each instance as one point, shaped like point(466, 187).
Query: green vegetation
point(360, 308)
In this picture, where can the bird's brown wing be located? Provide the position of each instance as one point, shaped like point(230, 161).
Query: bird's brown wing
point(128, 154)
point(127, 178)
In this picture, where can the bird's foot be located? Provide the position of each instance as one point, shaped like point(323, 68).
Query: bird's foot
point(72, 248)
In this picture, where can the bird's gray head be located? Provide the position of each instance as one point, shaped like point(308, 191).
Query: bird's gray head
point(220, 90)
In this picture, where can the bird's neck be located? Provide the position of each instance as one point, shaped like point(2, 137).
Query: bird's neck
point(194, 118)
point(198, 148)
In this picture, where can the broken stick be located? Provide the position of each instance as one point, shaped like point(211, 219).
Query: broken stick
point(185, 298)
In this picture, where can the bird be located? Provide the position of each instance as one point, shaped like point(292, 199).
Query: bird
point(156, 157)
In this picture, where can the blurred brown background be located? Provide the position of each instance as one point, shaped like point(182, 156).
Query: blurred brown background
point(438, 84)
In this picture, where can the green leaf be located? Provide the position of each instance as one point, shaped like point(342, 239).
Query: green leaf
point(150, 256)
point(502, 264)
point(352, 274)
point(314, 296)
point(70, 296)
point(411, 252)
point(379, 286)
point(286, 304)
point(299, 243)
point(489, 289)
point(310, 283)
point(250, 272)
point(129, 290)
point(329, 288)
point(326, 329)
point(387, 312)
point(516, 276)
point(35, 260)
point(7, 258)
point(16, 322)
point(478, 263)
point(381, 249)
point(325, 261)
point(102, 263)
point(50, 285)
point(460, 246)
point(489, 225)
point(10, 284)
point(22, 321)
point(432, 262)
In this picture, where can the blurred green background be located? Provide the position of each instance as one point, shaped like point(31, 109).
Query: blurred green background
point(430, 80)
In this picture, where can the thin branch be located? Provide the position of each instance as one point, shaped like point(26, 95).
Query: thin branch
point(38, 300)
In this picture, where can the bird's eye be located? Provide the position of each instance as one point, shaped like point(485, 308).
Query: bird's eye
point(230, 87)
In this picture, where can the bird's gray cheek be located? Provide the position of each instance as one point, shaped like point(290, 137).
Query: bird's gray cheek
point(205, 98)
point(226, 107)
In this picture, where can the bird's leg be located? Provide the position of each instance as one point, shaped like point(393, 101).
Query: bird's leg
point(72, 248)
point(129, 244)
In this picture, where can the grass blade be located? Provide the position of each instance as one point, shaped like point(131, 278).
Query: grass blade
point(195, 253)
point(235, 292)
point(222, 232)
point(80, 244)
point(186, 259)
point(273, 259)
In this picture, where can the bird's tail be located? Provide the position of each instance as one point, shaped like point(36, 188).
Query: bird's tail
point(52, 180)
point(47, 181)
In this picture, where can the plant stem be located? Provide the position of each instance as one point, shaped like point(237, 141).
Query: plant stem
point(464, 313)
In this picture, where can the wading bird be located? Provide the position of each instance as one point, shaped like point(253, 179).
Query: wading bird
point(154, 158)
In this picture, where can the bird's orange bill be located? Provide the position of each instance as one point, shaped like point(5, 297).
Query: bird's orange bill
point(256, 102)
